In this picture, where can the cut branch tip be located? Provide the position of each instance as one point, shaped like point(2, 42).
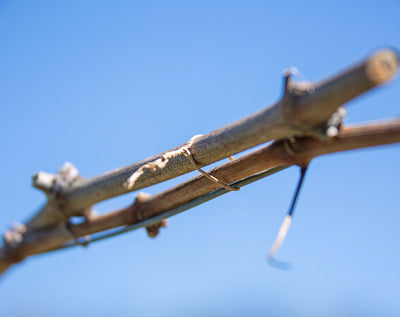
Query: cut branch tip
point(382, 66)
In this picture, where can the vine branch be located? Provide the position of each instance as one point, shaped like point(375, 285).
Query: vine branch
point(154, 208)
point(305, 123)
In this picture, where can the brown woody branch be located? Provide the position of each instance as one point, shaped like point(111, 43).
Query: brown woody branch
point(303, 108)
point(300, 152)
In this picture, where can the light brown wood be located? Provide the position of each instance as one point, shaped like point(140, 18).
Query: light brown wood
point(276, 154)
point(302, 112)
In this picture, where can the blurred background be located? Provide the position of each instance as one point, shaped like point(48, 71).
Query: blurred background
point(103, 84)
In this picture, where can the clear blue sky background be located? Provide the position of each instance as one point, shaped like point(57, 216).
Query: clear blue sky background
point(106, 83)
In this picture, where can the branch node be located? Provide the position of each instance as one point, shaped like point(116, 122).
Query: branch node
point(154, 230)
point(54, 183)
point(43, 181)
point(140, 201)
point(332, 127)
point(288, 145)
point(12, 238)
point(67, 175)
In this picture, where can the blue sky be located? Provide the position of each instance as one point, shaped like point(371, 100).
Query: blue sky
point(103, 84)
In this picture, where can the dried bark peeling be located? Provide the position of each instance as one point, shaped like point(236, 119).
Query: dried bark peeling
point(160, 163)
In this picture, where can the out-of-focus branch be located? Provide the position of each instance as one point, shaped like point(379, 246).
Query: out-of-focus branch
point(299, 151)
point(303, 108)
point(275, 155)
